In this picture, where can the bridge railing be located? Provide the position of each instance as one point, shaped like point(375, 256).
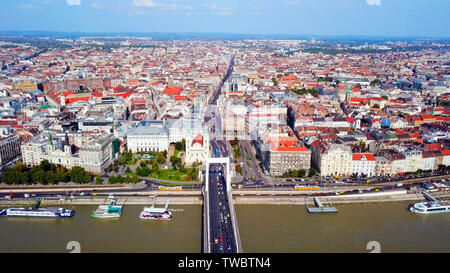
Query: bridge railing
point(237, 235)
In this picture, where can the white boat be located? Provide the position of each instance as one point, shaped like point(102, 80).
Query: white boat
point(108, 211)
point(153, 213)
point(38, 212)
point(431, 207)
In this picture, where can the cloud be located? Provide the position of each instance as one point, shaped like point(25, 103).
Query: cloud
point(373, 2)
point(292, 3)
point(165, 6)
point(73, 2)
point(225, 11)
point(144, 3)
point(27, 7)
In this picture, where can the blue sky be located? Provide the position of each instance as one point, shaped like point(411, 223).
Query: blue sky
point(320, 17)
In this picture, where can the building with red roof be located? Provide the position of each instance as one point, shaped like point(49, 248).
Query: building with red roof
point(287, 154)
point(363, 164)
point(173, 90)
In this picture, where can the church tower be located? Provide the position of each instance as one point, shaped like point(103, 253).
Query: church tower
point(348, 93)
point(63, 101)
point(50, 142)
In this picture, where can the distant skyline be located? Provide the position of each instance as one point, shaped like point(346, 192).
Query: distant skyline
point(405, 18)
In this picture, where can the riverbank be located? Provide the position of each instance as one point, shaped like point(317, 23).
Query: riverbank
point(196, 199)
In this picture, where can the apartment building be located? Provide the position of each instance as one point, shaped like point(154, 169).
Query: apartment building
point(9, 149)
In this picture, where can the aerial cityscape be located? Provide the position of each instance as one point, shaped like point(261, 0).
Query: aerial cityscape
point(200, 139)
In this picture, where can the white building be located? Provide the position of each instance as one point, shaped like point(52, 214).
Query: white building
point(94, 157)
point(428, 159)
point(149, 135)
point(363, 164)
point(335, 159)
point(197, 147)
point(34, 151)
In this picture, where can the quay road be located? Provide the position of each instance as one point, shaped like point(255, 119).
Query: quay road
point(150, 187)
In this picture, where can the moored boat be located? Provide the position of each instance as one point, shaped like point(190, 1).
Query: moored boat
point(153, 213)
point(38, 212)
point(431, 207)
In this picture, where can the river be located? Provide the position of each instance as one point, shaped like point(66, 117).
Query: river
point(263, 228)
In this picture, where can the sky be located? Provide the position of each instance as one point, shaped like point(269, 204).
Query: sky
point(416, 18)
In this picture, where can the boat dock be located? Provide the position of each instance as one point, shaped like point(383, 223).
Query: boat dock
point(37, 203)
point(429, 197)
point(320, 207)
point(166, 206)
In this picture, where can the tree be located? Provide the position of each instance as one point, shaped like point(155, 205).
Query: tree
point(155, 167)
point(24, 177)
point(179, 146)
point(125, 158)
point(80, 175)
point(175, 161)
point(18, 167)
point(112, 179)
point(312, 172)
point(45, 165)
point(161, 158)
point(37, 175)
point(131, 178)
point(182, 166)
point(376, 105)
point(195, 172)
point(301, 173)
point(375, 82)
point(9, 177)
point(98, 179)
point(385, 97)
point(128, 170)
point(119, 179)
point(51, 177)
point(64, 176)
point(143, 171)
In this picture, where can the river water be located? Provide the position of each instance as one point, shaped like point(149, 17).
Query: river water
point(263, 228)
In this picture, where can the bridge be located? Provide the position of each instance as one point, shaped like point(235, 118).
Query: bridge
point(220, 229)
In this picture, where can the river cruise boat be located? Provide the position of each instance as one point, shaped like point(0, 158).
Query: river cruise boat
point(153, 213)
point(431, 207)
point(38, 212)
